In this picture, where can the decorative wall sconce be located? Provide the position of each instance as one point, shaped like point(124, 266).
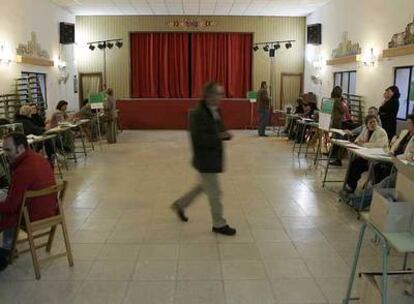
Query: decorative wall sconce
point(5, 53)
point(369, 59)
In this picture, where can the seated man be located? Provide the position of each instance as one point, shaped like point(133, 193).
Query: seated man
point(373, 136)
point(29, 171)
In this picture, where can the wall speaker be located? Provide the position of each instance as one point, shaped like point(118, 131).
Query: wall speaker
point(67, 33)
point(315, 34)
point(272, 52)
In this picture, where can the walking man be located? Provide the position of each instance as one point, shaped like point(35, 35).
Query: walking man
point(207, 135)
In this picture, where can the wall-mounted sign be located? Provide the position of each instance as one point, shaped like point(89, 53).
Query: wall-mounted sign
point(403, 38)
point(191, 23)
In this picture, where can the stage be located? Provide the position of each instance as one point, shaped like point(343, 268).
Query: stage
point(172, 113)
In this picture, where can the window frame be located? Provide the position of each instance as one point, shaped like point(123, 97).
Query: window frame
point(43, 74)
point(342, 80)
point(410, 77)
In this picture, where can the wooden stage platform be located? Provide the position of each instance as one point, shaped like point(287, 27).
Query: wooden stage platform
point(172, 113)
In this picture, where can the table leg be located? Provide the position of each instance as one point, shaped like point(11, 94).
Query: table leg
point(355, 264)
point(318, 149)
point(83, 140)
point(385, 252)
point(327, 165)
point(302, 138)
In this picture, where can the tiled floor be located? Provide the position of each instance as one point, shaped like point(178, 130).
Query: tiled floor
point(294, 244)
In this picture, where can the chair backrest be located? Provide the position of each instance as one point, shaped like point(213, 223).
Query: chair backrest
point(58, 189)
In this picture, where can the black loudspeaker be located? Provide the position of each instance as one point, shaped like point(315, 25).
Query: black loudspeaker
point(272, 52)
point(315, 34)
point(67, 33)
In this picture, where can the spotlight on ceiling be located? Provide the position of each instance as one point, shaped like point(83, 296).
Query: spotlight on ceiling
point(266, 48)
point(109, 45)
point(255, 48)
point(91, 47)
point(101, 45)
point(276, 46)
point(119, 44)
point(288, 45)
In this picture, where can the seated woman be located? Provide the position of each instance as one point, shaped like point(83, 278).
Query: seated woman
point(24, 117)
point(60, 116)
point(373, 136)
point(36, 117)
point(401, 147)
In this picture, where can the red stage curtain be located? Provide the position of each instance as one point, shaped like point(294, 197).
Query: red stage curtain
point(159, 65)
point(222, 57)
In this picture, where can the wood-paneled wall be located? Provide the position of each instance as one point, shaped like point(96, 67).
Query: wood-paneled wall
point(92, 28)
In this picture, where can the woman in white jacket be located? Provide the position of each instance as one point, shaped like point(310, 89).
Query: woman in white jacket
point(373, 136)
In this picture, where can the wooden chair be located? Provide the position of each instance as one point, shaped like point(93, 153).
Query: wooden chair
point(36, 229)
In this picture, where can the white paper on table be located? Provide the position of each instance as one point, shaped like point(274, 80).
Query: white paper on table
point(353, 146)
point(338, 131)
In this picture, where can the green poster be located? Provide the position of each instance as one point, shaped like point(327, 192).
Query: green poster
point(251, 95)
point(327, 105)
point(96, 100)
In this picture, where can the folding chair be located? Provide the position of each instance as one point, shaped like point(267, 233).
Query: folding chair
point(36, 229)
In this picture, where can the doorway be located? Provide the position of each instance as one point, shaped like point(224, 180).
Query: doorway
point(89, 83)
point(291, 87)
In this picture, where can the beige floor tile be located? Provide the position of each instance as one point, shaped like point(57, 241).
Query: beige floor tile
point(100, 292)
point(156, 270)
point(160, 292)
point(243, 270)
point(239, 252)
point(273, 250)
point(87, 252)
point(199, 252)
point(270, 235)
point(315, 249)
point(111, 271)
point(328, 267)
point(51, 292)
point(335, 289)
point(298, 291)
point(60, 270)
point(199, 270)
point(283, 268)
point(119, 252)
point(159, 252)
point(249, 292)
point(199, 292)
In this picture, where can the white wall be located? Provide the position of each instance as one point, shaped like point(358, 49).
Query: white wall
point(18, 18)
point(371, 23)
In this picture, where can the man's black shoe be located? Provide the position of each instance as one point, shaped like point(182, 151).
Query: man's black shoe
point(226, 230)
point(180, 212)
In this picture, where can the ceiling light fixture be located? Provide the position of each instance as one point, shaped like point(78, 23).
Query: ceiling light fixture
point(109, 45)
point(255, 48)
point(101, 45)
point(266, 48)
point(288, 45)
point(91, 47)
point(276, 46)
point(119, 44)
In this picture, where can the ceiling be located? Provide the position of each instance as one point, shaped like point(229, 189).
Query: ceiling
point(192, 7)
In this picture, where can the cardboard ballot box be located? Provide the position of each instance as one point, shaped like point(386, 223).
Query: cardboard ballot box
point(389, 215)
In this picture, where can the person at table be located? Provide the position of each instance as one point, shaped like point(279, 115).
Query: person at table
point(356, 131)
point(29, 171)
point(299, 106)
point(389, 109)
point(263, 103)
point(402, 147)
point(58, 117)
point(36, 117)
point(24, 117)
point(338, 112)
point(373, 136)
point(60, 114)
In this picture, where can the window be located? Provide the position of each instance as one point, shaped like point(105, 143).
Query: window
point(38, 92)
point(346, 80)
point(404, 80)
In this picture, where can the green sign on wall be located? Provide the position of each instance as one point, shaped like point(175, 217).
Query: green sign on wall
point(412, 91)
point(327, 105)
point(97, 100)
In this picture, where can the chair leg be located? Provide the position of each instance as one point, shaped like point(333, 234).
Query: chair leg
point(67, 244)
point(32, 246)
point(51, 238)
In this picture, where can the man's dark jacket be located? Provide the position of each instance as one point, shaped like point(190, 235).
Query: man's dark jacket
point(206, 141)
point(28, 126)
